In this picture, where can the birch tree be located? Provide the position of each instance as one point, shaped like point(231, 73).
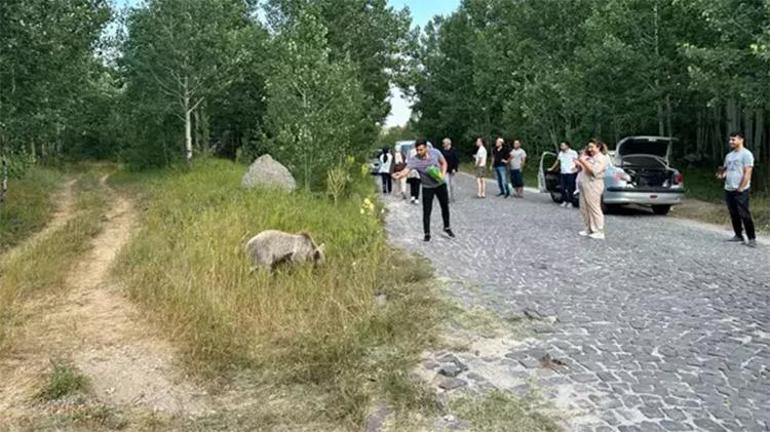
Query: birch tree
point(186, 50)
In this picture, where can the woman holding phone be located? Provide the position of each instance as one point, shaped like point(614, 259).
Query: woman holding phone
point(593, 164)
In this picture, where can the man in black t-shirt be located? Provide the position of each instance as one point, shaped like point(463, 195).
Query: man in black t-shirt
point(501, 157)
point(453, 164)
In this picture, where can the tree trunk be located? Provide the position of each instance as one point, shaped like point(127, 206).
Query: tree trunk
point(700, 136)
point(733, 116)
point(187, 124)
point(748, 128)
point(717, 146)
point(759, 129)
point(203, 128)
point(196, 129)
point(669, 121)
point(661, 124)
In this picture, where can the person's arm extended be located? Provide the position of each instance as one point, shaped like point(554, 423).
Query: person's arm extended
point(555, 164)
point(747, 171)
point(400, 174)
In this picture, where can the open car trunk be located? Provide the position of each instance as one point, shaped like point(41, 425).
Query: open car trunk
point(645, 160)
point(646, 171)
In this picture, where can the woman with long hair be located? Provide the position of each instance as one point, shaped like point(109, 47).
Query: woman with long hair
point(386, 162)
point(593, 163)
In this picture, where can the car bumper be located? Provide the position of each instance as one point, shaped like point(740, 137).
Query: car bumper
point(643, 197)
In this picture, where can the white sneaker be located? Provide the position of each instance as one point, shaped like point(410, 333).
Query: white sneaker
point(563, 204)
point(569, 205)
point(597, 236)
point(584, 233)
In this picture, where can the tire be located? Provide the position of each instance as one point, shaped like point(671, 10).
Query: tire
point(556, 197)
point(661, 210)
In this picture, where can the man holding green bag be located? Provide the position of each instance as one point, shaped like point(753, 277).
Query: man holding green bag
point(432, 167)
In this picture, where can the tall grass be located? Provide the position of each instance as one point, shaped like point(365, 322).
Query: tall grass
point(319, 327)
point(28, 205)
point(42, 267)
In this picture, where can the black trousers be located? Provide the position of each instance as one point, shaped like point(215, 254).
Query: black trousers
point(414, 187)
point(387, 183)
point(567, 187)
point(738, 205)
point(442, 193)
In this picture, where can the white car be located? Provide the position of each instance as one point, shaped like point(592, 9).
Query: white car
point(639, 174)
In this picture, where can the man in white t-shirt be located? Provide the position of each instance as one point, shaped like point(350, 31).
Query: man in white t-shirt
point(736, 173)
point(481, 167)
point(518, 158)
point(567, 161)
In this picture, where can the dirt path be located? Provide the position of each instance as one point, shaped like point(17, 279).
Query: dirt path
point(99, 331)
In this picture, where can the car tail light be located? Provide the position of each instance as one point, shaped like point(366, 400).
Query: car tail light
point(678, 178)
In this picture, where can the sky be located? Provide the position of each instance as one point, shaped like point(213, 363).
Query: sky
point(422, 12)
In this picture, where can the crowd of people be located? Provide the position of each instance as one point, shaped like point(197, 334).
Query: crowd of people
point(434, 171)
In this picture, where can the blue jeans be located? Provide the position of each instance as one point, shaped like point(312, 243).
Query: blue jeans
point(502, 180)
point(567, 187)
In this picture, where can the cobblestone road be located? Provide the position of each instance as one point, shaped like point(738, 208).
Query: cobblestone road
point(663, 326)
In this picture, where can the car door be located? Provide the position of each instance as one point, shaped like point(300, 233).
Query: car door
point(548, 181)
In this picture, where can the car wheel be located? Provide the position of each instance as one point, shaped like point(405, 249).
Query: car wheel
point(556, 197)
point(661, 210)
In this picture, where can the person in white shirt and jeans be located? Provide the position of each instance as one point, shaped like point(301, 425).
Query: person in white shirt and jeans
point(739, 165)
point(567, 160)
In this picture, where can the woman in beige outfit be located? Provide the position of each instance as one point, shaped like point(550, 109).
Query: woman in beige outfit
point(593, 163)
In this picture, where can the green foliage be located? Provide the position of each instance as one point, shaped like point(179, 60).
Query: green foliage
point(315, 105)
point(47, 53)
point(549, 70)
point(63, 380)
point(340, 179)
point(178, 56)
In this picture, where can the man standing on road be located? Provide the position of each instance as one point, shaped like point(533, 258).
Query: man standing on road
point(432, 166)
point(737, 170)
point(568, 168)
point(518, 158)
point(453, 164)
point(500, 161)
point(480, 160)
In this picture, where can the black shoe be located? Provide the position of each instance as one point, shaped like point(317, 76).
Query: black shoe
point(426, 238)
point(736, 239)
point(448, 231)
point(500, 194)
point(752, 243)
